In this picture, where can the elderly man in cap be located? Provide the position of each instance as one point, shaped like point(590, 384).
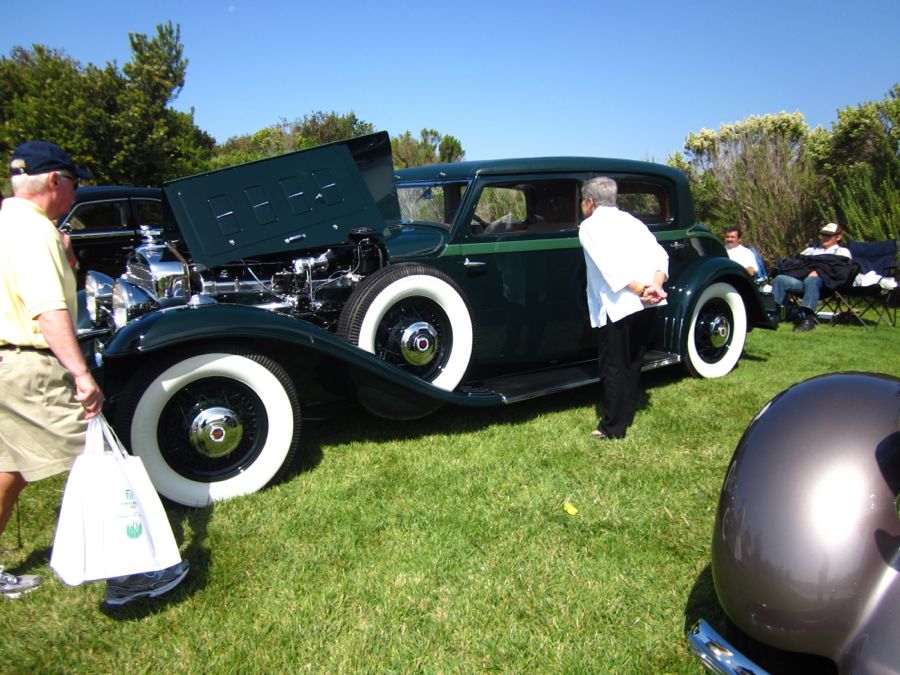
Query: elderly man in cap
point(47, 391)
point(824, 265)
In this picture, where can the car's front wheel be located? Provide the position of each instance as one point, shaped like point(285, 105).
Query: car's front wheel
point(415, 318)
point(211, 426)
point(718, 331)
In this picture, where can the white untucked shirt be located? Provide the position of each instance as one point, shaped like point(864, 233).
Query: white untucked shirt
point(618, 249)
point(743, 256)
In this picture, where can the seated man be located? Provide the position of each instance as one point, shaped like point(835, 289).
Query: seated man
point(738, 252)
point(817, 266)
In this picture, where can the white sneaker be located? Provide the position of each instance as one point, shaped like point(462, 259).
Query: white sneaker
point(12, 586)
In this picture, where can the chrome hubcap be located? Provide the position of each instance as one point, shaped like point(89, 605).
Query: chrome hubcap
point(216, 432)
point(419, 343)
point(719, 331)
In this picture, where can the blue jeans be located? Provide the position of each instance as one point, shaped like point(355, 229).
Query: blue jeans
point(810, 287)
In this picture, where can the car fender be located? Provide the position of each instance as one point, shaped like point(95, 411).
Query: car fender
point(380, 387)
point(805, 547)
point(700, 273)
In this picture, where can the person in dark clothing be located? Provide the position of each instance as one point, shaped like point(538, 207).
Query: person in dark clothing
point(806, 275)
point(626, 268)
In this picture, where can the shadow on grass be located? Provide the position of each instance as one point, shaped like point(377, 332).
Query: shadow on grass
point(702, 602)
point(37, 558)
point(351, 423)
point(756, 358)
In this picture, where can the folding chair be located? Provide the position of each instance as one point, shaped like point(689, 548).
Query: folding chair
point(878, 265)
point(762, 276)
point(763, 283)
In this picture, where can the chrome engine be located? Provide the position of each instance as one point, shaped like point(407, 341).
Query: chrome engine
point(159, 275)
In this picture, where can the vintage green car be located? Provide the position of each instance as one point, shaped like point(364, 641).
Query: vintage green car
point(323, 275)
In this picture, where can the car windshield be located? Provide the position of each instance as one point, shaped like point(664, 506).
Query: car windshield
point(432, 202)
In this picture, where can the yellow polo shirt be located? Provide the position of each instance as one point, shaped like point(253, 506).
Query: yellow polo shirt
point(35, 276)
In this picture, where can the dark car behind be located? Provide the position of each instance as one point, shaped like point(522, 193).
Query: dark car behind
point(104, 224)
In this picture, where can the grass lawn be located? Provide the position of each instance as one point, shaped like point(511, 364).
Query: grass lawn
point(443, 544)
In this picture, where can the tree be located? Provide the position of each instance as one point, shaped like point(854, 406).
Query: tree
point(118, 124)
point(152, 135)
point(860, 165)
point(40, 96)
point(317, 128)
point(320, 127)
point(430, 148)
point(757, 175)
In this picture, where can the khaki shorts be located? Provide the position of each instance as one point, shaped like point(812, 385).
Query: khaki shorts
point(42, 426)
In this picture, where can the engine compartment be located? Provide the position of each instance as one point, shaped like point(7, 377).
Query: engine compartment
point(159, 274)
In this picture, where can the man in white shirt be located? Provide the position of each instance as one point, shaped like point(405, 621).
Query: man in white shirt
point(626, 269)
point(742, 255)
point(810, 285)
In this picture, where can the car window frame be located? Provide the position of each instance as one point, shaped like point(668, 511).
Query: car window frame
point(668, 187)
point(135, 214)
point(125, 209)
point(462, 227)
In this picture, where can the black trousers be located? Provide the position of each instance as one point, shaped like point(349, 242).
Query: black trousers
point(621, 354)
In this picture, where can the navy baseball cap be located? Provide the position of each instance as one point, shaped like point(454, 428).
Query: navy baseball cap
point(37, 157)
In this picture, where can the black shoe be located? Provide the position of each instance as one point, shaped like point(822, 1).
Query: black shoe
point(805, 325)
point(122, 590)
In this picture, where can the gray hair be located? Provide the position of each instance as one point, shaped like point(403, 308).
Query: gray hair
point(601, 189)
point(23, 184)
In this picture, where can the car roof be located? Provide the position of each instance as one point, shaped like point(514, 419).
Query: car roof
point(95, 192)
point(469, 169)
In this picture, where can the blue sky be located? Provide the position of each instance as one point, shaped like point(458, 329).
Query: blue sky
point(564, 77)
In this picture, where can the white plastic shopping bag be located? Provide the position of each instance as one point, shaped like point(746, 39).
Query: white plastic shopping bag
point(112, 522)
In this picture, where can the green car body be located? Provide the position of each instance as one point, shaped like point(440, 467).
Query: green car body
point(325, 275)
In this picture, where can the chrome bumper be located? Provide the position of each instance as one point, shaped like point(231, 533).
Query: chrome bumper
point(716, 655)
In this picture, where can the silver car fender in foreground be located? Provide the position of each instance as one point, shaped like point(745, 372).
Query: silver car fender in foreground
point(806, 547)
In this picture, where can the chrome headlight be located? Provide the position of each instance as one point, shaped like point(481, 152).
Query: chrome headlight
point(98, 291)
point(129, 302)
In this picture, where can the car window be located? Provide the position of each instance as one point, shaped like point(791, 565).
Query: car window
point(531, 206)
point(149, 212)
point(647, 202)
point(98, 217)
point(435, 202)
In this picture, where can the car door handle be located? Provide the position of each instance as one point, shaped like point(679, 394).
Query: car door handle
point(473, 263)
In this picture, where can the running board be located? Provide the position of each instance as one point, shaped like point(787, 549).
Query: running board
point(656, 359)
point(527, 385)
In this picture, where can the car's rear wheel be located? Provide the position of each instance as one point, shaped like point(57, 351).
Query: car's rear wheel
point(211, 426)
point(718, 331)
point(415, 318)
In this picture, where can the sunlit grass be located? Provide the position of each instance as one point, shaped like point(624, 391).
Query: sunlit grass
point(442, 545)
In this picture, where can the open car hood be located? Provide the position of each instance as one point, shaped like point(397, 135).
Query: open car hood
point(302, 200)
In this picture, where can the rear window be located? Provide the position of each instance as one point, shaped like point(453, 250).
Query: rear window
point(647, 202)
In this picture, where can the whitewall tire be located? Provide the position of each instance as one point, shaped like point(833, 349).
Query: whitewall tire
point(212, 426)
point(718, 331)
